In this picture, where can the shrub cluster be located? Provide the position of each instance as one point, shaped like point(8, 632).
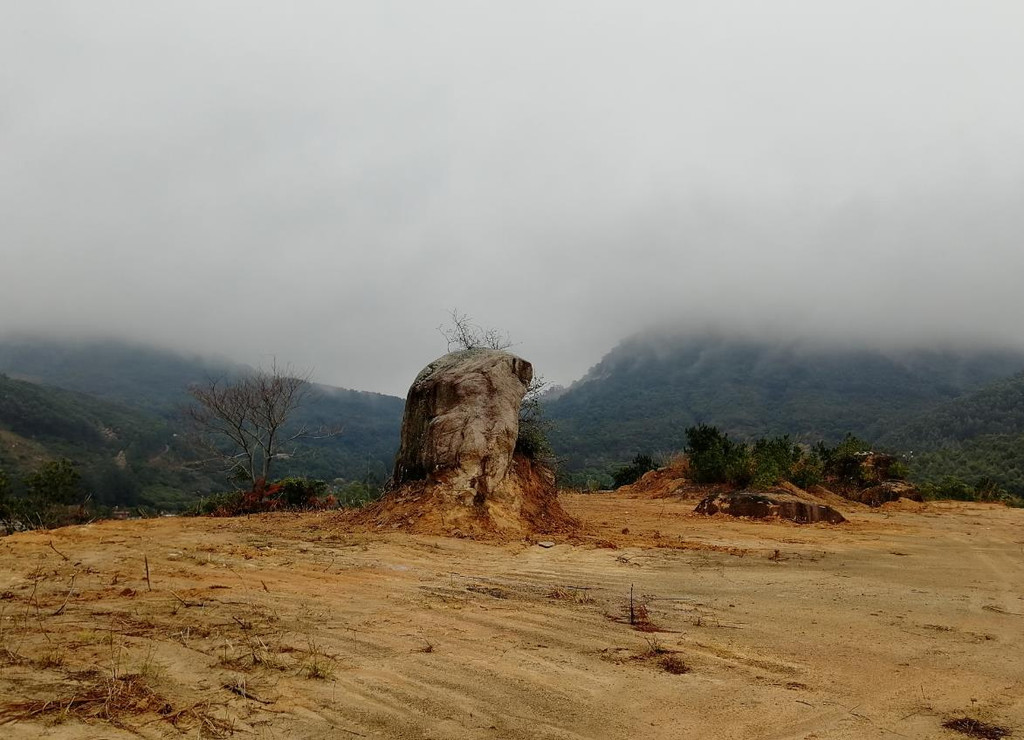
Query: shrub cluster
point(715, 458)
point(634, 471)
point(985, 490)
point(53, 495)
point(288, 494)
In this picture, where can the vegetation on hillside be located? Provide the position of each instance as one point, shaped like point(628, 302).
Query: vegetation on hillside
point(127, 457)
point(978, 437)
point(129, 400)
point(116, 421)
point(646, 392)
point(715, 458)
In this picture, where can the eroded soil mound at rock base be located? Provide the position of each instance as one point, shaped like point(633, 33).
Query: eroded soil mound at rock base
point(526, 504)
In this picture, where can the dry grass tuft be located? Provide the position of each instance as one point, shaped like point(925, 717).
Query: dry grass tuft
point(640, 618)
point(320, 666)
point(573, 594)
point(319, 669)
point(673, 664)
point(110, 699)
point(655, 648)
point(976, 728)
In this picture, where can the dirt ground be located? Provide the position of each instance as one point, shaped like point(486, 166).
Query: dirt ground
point(304, 626)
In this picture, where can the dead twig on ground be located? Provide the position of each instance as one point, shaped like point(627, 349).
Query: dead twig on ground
point(239, 689)
point(66, 558)
point(188, 604)
point(66, 598)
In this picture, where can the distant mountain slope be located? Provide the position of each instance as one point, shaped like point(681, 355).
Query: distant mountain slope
point(134, 374)
point(975, 437)
point(646, 391)
point(155, 382)
point(365, 450)
point(126, 456)
point(995, 409)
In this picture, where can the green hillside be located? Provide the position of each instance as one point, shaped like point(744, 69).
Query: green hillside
point(126, 456)
point(977, 437)
point(82, 386)
point(645, 392)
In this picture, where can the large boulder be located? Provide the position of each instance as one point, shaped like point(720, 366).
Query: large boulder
point(456, 469)
point(462, 419)
point(767, 505)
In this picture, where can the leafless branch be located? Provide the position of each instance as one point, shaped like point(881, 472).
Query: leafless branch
point(461, 333)
point(242, 423)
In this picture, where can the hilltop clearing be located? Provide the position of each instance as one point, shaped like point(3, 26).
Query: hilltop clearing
point(306, 625)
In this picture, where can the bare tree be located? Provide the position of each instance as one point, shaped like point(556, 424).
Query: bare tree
point(462, 333)
point(242, 423)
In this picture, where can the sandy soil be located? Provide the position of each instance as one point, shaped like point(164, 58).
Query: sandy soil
point(285, 626)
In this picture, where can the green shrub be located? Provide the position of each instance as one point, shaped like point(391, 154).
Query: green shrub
point(898, 470)
point(534, 428)
point(218, 504)
point(774, 460)
point(56, 482)
point(288, 494)
point(300, 493)
point(5, 492)
point(355, 493)
point(808, 471)
point(714, 458)
point(985, 489)
point(634, 471)
point(532, 441)
point(844, 462)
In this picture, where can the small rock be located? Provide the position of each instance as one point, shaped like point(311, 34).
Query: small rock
point(546, 543)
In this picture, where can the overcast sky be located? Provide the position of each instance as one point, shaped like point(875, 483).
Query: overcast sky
point(323, 180)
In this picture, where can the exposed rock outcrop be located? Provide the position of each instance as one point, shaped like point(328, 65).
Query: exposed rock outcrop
point(671, 480)
point(883, 493)
point(765, 505)
point(456, 470)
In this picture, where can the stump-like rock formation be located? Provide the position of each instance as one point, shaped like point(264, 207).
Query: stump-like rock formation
point(768, 505)
point(457, 471)
point(462, 419)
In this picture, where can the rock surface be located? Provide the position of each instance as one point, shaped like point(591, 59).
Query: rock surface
point(883, 493)
point(462, 419)
point(764, 505)
point(456, 470)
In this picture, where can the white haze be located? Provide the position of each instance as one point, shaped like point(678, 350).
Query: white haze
point(323, 181)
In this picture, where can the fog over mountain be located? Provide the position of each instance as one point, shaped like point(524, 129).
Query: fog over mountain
point(323, 181)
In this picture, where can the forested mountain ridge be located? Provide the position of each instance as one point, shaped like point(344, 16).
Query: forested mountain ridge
point(644, 393)
point(126, 456)
point(149, 387)
point(995, 409)
point(978, 437)
point(134, 374)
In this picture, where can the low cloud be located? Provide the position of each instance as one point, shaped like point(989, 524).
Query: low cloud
point(324, 182)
